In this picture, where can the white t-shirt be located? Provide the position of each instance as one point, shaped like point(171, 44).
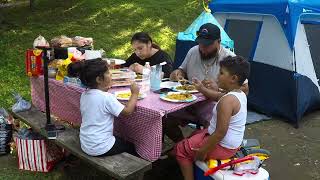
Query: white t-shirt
point(194, 66)
point(98, 109)
point(235, 133)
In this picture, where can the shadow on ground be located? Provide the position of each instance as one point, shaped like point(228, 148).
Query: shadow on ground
point(295, 155)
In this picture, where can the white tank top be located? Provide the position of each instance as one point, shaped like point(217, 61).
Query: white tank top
point(234, 135)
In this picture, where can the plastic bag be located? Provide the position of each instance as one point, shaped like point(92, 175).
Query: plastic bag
point(5, 131)
point(5, 118)
point(61, 41)
point(21, 104)
point(40, 41)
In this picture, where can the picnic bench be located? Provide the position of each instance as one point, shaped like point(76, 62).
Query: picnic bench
point(121, 166)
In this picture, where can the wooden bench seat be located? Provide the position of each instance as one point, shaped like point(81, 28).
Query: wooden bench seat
point(121, 166)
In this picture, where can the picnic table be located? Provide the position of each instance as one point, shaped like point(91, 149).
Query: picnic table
point(143, 127)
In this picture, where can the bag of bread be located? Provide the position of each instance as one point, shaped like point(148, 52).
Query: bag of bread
point(61, 41)
point(40, 41)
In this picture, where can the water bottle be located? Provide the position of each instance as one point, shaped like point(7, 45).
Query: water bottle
point(145, 84)
point(155, 79)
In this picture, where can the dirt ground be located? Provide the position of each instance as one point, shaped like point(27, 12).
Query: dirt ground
point(295, 155)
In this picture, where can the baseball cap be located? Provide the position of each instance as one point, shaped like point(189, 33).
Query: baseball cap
point(207, 34)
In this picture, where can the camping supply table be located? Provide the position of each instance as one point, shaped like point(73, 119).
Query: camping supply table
point(143, 127)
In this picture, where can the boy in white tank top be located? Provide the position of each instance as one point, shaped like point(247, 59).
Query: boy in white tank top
point(224, 135)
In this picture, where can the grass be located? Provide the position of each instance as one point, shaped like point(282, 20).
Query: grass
point(111, 23)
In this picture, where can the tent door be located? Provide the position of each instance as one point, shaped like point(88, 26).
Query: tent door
point(313, 36)
point(245, 34)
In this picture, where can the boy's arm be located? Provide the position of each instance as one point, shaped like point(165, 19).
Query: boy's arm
point(225, 109)
point(211, 94)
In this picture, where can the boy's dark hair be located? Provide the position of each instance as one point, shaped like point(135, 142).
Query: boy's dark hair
point(143, 37)
point(238, 66)
point(88, 71)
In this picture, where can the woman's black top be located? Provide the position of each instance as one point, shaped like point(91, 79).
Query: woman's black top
point(159, 57)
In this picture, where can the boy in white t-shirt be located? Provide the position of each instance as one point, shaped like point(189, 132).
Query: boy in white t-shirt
point(224, 135)
point(98, 109)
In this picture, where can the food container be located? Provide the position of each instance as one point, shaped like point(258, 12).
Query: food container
point(52, 72)
point(122, 77)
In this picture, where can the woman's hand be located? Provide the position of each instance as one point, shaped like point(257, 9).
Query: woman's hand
point(136, 67)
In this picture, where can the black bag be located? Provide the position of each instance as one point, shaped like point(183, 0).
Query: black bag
point(5, 138)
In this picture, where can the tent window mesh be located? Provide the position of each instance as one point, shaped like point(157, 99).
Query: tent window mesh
point(245, 35)
point(313, 36)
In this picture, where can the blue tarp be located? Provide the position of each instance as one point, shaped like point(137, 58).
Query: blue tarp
point(287, 12)
point(205, 17)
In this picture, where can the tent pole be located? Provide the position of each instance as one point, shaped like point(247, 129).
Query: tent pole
point(49, 127)
point(296, 85)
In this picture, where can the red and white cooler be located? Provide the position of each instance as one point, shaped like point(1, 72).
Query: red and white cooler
point(201, 167)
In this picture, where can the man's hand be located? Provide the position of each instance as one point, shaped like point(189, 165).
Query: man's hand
point(176, 75)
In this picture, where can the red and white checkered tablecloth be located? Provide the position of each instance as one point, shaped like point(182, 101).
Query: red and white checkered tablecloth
point(143, 127)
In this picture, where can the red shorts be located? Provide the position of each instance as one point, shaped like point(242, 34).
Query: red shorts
point(185, 155)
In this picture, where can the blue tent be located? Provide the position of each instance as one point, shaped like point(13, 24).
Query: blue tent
point(287, 12)
point(284, 80)
point(280, 38)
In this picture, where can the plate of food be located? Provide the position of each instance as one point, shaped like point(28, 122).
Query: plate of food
point(125, 95)
point(169, 84)
point(178, 97)
point(187, 88)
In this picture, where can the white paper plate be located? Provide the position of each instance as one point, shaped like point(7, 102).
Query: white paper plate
point(184, 91)
point(117, 61)
point(164, 97)
point(169, 84)
point(141, 96)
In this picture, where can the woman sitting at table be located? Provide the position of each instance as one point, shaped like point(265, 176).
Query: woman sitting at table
point(224, 135)
point(98, 109)
point(146, 51)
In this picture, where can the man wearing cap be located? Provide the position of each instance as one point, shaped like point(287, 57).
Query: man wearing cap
point(202, 63)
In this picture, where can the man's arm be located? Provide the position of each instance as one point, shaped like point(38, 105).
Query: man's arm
point(245, 88)
point(177, 75)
